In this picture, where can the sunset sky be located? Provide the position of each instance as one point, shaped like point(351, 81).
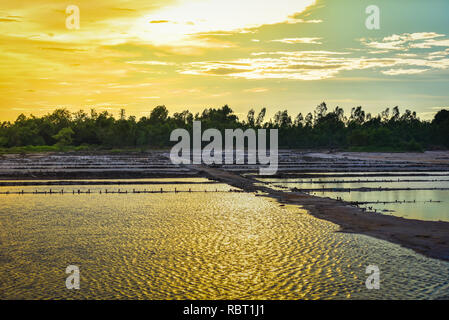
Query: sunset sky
point(192, 54)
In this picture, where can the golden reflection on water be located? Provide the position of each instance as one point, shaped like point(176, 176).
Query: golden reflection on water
point(195, 246)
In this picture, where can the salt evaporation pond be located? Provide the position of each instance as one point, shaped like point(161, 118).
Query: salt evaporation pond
point(199, 245)
point(424, 202)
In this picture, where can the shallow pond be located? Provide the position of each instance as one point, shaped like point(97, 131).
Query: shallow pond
point(421, 203)
point(202, 245)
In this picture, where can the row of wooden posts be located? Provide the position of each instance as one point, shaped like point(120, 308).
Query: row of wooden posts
point(114, 192)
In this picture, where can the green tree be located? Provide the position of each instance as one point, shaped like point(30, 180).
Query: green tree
point(64, 137)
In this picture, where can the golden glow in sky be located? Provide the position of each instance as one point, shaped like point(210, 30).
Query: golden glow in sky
point(178, 24)
point(193, 54)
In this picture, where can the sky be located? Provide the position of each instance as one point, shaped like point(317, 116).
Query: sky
point(196, 54)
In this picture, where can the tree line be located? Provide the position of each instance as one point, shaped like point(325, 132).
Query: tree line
point(390, 130)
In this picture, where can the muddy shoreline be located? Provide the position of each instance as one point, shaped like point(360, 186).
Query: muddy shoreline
point(156, 164)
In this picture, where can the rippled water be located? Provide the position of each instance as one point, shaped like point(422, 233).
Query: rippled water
point(195, 246)
point(421, 204)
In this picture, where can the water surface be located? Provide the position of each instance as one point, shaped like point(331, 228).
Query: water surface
point(195, 246)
